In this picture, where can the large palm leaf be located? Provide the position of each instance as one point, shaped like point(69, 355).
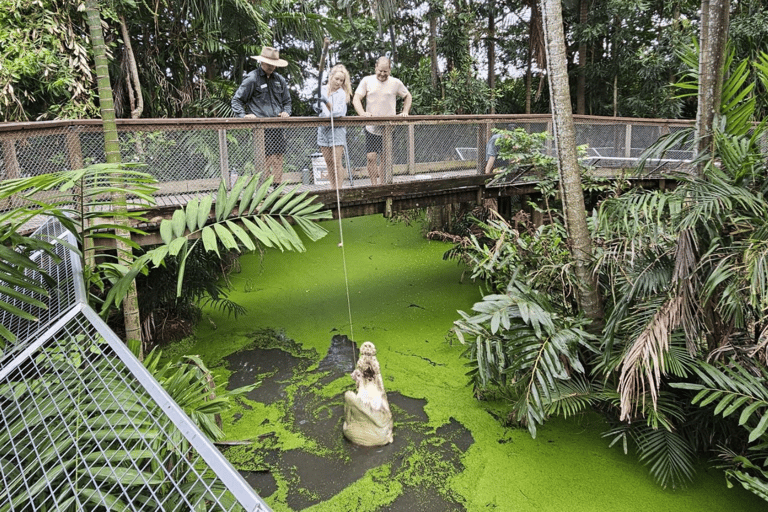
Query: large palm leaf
point(83, 201)
point(729, 390)
point(248, 215)
point(516, 341)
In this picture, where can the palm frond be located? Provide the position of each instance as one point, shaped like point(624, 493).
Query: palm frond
point(643, 363)
point(248, 214)
point(516, 341)
point(731, 389)
point(669, 457)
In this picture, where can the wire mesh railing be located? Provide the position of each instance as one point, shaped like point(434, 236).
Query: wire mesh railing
point(85, 426)
point(194, 155)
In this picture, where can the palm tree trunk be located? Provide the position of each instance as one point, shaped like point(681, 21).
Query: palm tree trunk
point(433, 45)
point(491, 51)
point(570, 172)
point(714, 31)
point(112, 152)
point(581, 76)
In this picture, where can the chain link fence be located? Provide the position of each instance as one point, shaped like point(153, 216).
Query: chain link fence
point(85, 426)
point(194, 155)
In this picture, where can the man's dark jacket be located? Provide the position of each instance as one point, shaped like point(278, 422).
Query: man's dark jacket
point(261, 95)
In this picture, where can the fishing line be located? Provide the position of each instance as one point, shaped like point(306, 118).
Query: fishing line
point(337, 178)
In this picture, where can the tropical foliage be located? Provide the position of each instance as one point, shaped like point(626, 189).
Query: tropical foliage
point(184, 58)
point(683, 276)
point(98, 420)
point(265, 213)
point(83, 201)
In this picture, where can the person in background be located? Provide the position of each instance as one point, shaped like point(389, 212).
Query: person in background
point(264, 93)
point(380, 91)
point(334, 104)
point(492, 151)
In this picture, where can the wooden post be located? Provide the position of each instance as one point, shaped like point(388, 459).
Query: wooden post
point(74, 150)
point(387, 156)
point(259, 148)
point(411, 150)
point(551, 137)
point(224, 159)
point(10, 160)
point(482, 140)
point(12, 169)
point(628, 141)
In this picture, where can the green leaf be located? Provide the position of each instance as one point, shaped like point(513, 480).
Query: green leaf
point(210, 241)
point(166, 231)
point(747, 412)
point(175, 246)
point(221, 203)
point(242, 235)
point(192, 214)
point(179, 223)
point(225, 237)
point(204, 211)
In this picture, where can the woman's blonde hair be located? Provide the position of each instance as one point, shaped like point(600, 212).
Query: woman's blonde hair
point(347, 86)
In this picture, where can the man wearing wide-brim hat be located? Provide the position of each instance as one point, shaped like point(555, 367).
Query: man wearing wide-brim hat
point(264, 93)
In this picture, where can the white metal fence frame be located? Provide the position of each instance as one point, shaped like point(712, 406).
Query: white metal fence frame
point(71, 391)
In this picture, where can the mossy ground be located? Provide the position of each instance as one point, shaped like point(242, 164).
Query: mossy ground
point(404, 298)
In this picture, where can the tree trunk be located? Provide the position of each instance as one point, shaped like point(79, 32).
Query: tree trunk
point(714, 30)
point(581, 75)
point(433, 46)
point(137, 98)
point(568, 165)
point(491, 51)
point(112, 152)
point(529, 79)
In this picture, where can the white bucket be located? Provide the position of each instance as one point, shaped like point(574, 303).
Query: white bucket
point(319, 169)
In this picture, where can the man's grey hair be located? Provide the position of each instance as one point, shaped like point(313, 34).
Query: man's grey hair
point(384, 58)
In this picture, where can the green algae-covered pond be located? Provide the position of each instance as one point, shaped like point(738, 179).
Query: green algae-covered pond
point(450, 452)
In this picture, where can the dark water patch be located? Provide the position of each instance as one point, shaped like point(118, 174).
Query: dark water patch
point(263, 482)
point(274, 368)
point(412, 409)
point(421, 459)
point(341, 356)
point(422, 499)
point(271, 359)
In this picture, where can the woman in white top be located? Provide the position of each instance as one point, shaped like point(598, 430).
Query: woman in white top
point(334, 104)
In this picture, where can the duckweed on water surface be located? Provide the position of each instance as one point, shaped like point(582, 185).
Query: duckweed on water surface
point(450, 450)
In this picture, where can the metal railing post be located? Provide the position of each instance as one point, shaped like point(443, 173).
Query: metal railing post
point(224, 158)
point(387, 156)
point(259, 148)
point(628, 141)
point(411, 149)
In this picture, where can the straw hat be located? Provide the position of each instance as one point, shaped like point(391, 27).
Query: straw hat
point(270, 56)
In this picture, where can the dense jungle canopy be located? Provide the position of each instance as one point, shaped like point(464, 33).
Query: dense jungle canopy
point(184, 58)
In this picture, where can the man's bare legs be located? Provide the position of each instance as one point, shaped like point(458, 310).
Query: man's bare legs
point(335, 167)
point(375, 169)
point(274, 168)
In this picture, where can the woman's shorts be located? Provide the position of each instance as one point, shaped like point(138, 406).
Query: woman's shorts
point(373, 143)
point(328, 138)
